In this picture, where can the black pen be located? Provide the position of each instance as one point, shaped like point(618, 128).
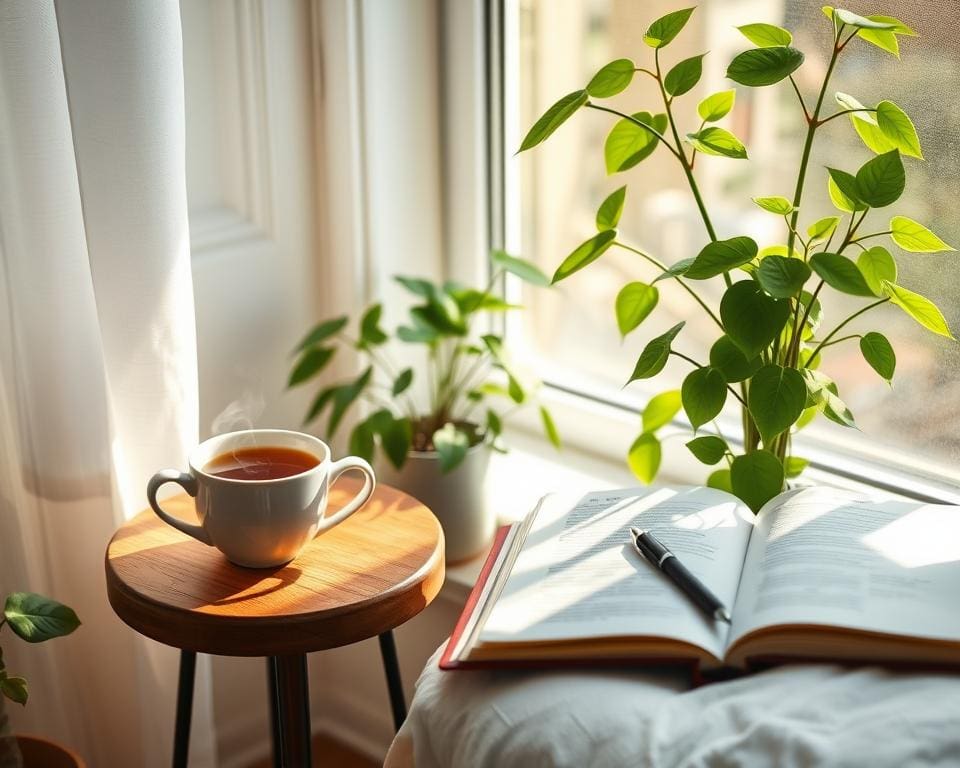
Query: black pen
point(659, 556)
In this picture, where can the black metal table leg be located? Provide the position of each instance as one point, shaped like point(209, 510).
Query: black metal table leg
point(273, 694)
point(293, 698)
point(398, 704)
point(181, 733)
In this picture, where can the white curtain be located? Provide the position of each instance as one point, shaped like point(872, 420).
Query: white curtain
point(97, 351)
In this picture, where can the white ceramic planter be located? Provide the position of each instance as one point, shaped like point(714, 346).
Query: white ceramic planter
point(456, 498)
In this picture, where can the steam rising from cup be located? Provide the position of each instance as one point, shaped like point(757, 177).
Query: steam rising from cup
point(240, 414)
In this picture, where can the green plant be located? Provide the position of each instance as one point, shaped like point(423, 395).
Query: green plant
point(770, 324)
point(33, 618)
point(458, 372)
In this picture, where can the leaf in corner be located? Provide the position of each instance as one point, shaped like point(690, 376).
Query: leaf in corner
point(15, 689)
point(36, 618)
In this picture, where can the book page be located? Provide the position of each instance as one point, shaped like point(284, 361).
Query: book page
point(578, 576)
point(824, 556)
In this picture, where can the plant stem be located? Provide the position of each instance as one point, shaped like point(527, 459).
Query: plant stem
point(836, 330)
point(857, 240)
point(842, 338)
point(686, 287)
point(846, 112)
point(803, 104)
point(682, 157)
point(648, 128)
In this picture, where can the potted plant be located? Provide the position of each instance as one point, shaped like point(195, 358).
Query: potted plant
point(438, 451)
point(33, 618)
point(771, 329)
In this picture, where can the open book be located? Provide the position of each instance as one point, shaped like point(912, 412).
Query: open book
point(817, 574)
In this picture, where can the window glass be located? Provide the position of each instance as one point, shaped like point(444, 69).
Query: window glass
point(560, 184)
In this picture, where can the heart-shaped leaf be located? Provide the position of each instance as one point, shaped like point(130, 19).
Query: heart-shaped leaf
point(877, 267)
point(709, 448)
point(704, 391)
point(663, 30)
point(823, 228)
point(718, 141)
point(914, 237)
point(36, 618)
point(881, 181)
point(608, 215)
point(655, 354)
point(611, 79)
point(729, 359)
point(721, 256)
point(661, 409)
point(776, 204)
point(756, 478)
point(751, 318)
point(766, 35)
point(764, 66)
point(844, 192)
point(716, 106)
point(634, 303)
point(840, 274)
point(879, 354)
point(644, 456)
point(898, 128)
point(777, 398)
point(684, 75)
point(920, 309)
point(628, 144)
point(782, 277)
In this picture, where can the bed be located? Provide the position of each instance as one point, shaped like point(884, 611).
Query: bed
point(803, 716)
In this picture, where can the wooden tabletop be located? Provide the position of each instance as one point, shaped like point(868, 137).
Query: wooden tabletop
point(371, 573)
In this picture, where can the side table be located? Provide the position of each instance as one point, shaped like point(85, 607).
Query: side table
point(371, 573)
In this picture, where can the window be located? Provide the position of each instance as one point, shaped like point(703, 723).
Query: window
point(552, 194)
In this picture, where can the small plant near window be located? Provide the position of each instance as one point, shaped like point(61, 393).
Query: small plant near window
point(33, 618)
point(771, 327)
point(471, 385)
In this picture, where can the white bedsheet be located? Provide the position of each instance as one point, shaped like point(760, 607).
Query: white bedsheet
point(801, 716)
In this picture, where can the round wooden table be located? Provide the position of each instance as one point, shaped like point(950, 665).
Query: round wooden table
point(371, 573)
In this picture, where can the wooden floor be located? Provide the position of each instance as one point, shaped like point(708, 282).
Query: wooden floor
point(329, 753)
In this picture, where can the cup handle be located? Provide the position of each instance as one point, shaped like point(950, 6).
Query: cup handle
point(337, 468)
point(189, 483)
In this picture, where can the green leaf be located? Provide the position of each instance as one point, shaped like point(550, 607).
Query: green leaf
point(396, 437)
point(664, 29)
point(608, 215)
point(402, 382)
point(865, 124)
point(776, 204)
point(776, 400)
point(709, 449)
point(418, 335)
point(549, 427)
point(795, 466)
point(470, 300)
point(718, 141)
point(416, 286)
point(323, 398)
point(879, 354)
point(823, 393)
point(808, 415)
point(525, 270)
point(717, 105)
point(782, 277)
point(920, 309)
point(515, 390)
point(877, 267)
point(815, 315)
point(634, 303)
point(914, 237)
point(660, 410)
point(729, 359)
point(703, 392)
point(311, 362)
point(343, 398)
point(36, 618)
point(720, 479)
point(14, 688)
point(451, 445)
point(860, 22)
point(553, 118)
point(655, 354)
point(584, 254)
point(628, 143)
point(721, 256)
point(322, 332)
point(494, 424)
point(683, 76)
point(822, 228)
point(886, 39)
point(371, 334)
point(881, 180)
point(842, 187)
point(361, 441)
point(898, 128)
point(677, 270)
point(756, 478)
point(764, 66)
point(840, 274)
point(766, 35)
point(644, 456)
point(751, 318)
point(611, 79)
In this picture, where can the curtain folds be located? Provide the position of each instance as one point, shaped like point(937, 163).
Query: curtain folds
point(98, 378)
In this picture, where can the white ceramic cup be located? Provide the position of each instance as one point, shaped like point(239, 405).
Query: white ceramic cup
point(261, 523)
